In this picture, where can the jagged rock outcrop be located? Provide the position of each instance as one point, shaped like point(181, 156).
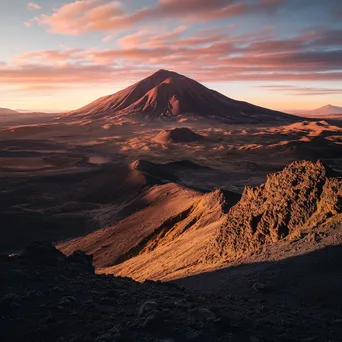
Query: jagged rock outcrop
point(297, 198)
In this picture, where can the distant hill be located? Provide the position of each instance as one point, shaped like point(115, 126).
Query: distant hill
point(14, 117)
point(327, 110)
point(166, 95)
point(6, 111)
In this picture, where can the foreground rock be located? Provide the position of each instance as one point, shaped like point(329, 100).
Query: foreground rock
point(46, 296)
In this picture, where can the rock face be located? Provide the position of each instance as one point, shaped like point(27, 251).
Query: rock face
point(297, 198)
point(166, 95)
point(178, 135)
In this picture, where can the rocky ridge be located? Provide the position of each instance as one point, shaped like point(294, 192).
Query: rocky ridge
point(296, 199)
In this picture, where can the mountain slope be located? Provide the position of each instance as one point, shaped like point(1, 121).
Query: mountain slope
point(293, 205)
point(118, 242)
point(184, 232)
point(168, 95)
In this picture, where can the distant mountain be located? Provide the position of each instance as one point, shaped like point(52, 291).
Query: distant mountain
point(321, 111)
point(326, 110)
point(166, 95)
point(14, 117)
point(6, 111)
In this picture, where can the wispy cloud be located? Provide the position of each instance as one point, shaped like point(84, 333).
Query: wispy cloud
point(81, 16)
point(96, 15)
point(149, 38)
point(34, 6)
point(163, 35)
point(218, 60)
point(302, 91)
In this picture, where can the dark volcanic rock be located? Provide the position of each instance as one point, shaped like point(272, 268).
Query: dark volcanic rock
point(43, 253)
point(61, 299)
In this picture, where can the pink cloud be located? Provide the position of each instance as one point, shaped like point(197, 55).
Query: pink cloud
point(95, 15)
point(80, 16)
point(46, 56)
point(302, 91)
point(148, 38)
point(134, 38)
point(38, 77)
point(107, 38)
point(34, 6)
point(210, 56)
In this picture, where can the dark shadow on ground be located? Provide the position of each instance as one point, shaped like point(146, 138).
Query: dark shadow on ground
point(300, 295)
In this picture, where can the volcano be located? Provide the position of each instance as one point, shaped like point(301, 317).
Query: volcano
point(167, 95)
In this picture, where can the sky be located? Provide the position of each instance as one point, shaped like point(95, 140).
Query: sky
point(58, 55)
